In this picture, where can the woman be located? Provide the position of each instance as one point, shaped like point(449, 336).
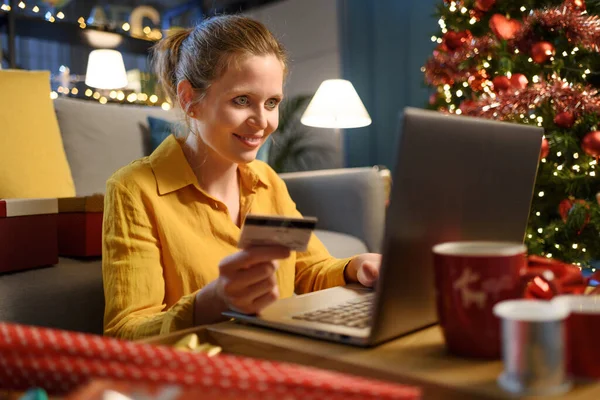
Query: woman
point(172, 220)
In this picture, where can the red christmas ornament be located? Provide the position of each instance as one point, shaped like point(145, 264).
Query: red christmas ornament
point(455, 40)
point(564, 119)
point(578, 5)
point(484, 5)
point(591, 144)
point(565, 207)
point(519, 81)
point(504, 28)
point(542, 51)
point(501, 84)
point(545, 148)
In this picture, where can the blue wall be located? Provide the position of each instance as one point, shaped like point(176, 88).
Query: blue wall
point(384, 44)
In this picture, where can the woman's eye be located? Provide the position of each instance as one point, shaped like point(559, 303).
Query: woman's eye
point(272, 103)
point(241, 101)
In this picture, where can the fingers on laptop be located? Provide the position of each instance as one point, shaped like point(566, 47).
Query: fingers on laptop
point(256, 297)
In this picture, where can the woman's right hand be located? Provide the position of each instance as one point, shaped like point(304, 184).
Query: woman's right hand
point(247, 281)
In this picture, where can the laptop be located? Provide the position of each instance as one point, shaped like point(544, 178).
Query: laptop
point(455, 178)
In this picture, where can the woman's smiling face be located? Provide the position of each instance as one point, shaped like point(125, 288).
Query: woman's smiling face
point(241, 108)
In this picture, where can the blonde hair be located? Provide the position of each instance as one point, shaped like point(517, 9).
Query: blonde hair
point(203, 53)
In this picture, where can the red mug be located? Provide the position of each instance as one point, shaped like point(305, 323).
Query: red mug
point(582, 332)
point(470, 278)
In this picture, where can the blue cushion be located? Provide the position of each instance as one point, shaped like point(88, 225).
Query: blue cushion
point(160, 129)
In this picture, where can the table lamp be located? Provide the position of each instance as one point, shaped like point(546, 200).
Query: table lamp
point(106, 70)
point(336, 105)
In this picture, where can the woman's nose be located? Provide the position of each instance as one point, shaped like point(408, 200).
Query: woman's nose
point(258, 119)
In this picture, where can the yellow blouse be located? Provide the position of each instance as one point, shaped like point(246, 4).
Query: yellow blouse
point(163, 237)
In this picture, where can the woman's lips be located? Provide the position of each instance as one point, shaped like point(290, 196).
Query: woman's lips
point(249, 141)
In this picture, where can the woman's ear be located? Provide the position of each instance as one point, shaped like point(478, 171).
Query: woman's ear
point(185, 94)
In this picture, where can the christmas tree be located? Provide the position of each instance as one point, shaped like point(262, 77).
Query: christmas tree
point(533, 62)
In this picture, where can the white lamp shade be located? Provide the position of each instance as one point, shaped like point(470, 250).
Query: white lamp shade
point(336, 105)
point(106, 70)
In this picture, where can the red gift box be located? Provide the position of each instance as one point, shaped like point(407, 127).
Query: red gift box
point(60, 362)
point(80, 226)
point(28, 233)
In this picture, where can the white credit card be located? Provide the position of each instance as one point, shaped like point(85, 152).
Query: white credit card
point(272, 230)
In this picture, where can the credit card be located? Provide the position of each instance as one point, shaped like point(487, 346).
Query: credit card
point(269, 230)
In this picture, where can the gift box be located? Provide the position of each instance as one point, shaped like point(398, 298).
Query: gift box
point(80, 226)
point(28, 233)
point(62, 362)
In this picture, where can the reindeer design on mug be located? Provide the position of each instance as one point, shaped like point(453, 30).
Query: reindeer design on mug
point(491, 286)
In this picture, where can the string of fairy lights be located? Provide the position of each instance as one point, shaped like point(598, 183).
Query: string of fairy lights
point(101, 96)
point(50, 17)
point(117, 95)
point(565, 165)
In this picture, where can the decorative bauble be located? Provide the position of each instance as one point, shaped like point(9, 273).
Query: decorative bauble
point(455, 40)
point(542, 51)
point(565, 208)
point(545, 148)
point(564, 119)
point(578, 5)
point(598, 198)
point(501, 84)
point(484, 5)
point(504, 28)
point(591, 144)
point(519, 81)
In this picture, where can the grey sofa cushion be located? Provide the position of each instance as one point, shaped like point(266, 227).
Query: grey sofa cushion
point(99, 139)
point(348, 200)
point(67, 296)
point(341, 245)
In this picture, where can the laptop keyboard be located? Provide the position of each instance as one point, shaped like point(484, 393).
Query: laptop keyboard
point(354, 313)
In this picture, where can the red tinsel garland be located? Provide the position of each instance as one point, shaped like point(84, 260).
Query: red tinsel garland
point(580, 29)
point(447, 67)
point(576, 99)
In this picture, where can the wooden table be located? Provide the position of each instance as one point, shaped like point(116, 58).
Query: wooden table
point(417, 359)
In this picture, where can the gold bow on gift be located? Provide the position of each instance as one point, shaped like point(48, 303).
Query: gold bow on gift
point(191, 343)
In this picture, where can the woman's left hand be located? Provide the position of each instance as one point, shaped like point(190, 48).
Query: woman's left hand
point(363, 269)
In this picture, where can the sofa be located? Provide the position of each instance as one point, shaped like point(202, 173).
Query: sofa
point(97, 139)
